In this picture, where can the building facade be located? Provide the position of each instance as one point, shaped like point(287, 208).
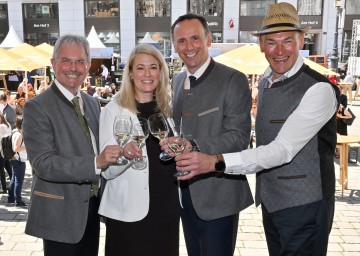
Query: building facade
point(121, 24)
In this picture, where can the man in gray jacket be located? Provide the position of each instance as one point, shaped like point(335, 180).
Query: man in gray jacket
point(296, 140)
point(215, 114)
point(61, 134)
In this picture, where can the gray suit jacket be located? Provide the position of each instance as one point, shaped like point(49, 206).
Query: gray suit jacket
point(63, 165)
point(216, 114)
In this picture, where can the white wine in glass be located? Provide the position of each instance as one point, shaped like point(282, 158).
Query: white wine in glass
point(159, 129)
point(140, 133)
point(122, 131)
point(177, 145)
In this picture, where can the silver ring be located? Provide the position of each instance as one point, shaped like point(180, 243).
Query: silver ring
point(129, 152)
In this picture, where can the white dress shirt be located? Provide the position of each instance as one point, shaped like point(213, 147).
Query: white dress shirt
point(197, 74)
point(317, 106)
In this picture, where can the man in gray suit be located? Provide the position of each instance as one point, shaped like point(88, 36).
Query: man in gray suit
point(296, 140)
point(215, 114)
point(61, 139)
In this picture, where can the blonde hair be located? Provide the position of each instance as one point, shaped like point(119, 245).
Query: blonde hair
point(126, 96)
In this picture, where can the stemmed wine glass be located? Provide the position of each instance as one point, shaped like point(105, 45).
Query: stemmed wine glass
point(122, 131)
point(177, 144)
point(159, 129)
point(140, 132)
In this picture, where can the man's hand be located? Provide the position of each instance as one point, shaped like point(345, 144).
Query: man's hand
point(108, 156)
point(196, 163)
point(111, 154)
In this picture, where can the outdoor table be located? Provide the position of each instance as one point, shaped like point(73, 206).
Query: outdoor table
point(36, 79)
point(343, 145)
point(3, 76)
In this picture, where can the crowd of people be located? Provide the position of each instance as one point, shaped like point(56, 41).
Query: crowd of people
point(77, 176)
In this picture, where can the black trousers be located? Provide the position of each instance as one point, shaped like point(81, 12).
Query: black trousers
point(207, 238)
point(4, 164)
point(88, 245)
point(302, 230)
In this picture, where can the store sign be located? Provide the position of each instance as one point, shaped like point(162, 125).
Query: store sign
point(215, 23)
point(315, 22)
point(41, 25)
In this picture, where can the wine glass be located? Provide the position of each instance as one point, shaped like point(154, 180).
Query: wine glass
point(177, 144)
point(140, 132)
point(122, 131)
point(159, 129)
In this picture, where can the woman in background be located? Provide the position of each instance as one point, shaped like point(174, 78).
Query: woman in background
point(18, 164)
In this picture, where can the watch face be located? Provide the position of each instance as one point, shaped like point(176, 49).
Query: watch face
point(220, 166)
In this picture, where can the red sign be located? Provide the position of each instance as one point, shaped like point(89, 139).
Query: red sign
point(231, 24)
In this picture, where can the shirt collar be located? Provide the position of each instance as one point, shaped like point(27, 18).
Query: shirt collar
point(298, 64)
point(66, 93)
point(201, 70)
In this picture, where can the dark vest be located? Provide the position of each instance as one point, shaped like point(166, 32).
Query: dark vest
point(310, 175)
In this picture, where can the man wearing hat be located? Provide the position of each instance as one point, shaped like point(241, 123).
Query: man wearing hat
point(296, 140)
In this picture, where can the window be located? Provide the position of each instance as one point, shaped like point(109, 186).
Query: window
point(255, 7)
point(217, 37)
point(309, 7)
point(101, 8)
point(206, 7)
point(352, 7)
point(41, 11)
point(247, 37)
point(161, 41)
point(153, 8)
point(3, 11)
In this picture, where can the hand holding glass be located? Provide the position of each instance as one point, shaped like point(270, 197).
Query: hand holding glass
point(122, 132)
point(177, 145)
point(140, 132)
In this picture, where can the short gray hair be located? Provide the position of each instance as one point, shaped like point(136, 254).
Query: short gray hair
point(70, 39)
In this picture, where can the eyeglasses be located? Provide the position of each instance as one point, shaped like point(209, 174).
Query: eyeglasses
point(68, 63)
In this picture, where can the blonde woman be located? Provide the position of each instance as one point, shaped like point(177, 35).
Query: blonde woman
point(138, 203)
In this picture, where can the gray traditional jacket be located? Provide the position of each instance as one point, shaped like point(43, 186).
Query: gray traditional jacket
point(310, 176)
point(216, 114)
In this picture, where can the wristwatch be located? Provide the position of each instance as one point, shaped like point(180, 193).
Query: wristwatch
point(220, 165)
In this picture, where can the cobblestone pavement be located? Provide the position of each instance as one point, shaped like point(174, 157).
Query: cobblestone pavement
point(344, 238)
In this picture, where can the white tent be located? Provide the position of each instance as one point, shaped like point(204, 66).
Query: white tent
point(94, 40)
point(112, 39)
point(11, 40)
point(147, 39)
point(97, 49)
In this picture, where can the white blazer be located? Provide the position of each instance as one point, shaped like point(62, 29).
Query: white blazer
point(126, 194)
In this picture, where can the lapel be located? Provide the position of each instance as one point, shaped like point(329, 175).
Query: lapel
point(178, 88)
point(91, 110)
